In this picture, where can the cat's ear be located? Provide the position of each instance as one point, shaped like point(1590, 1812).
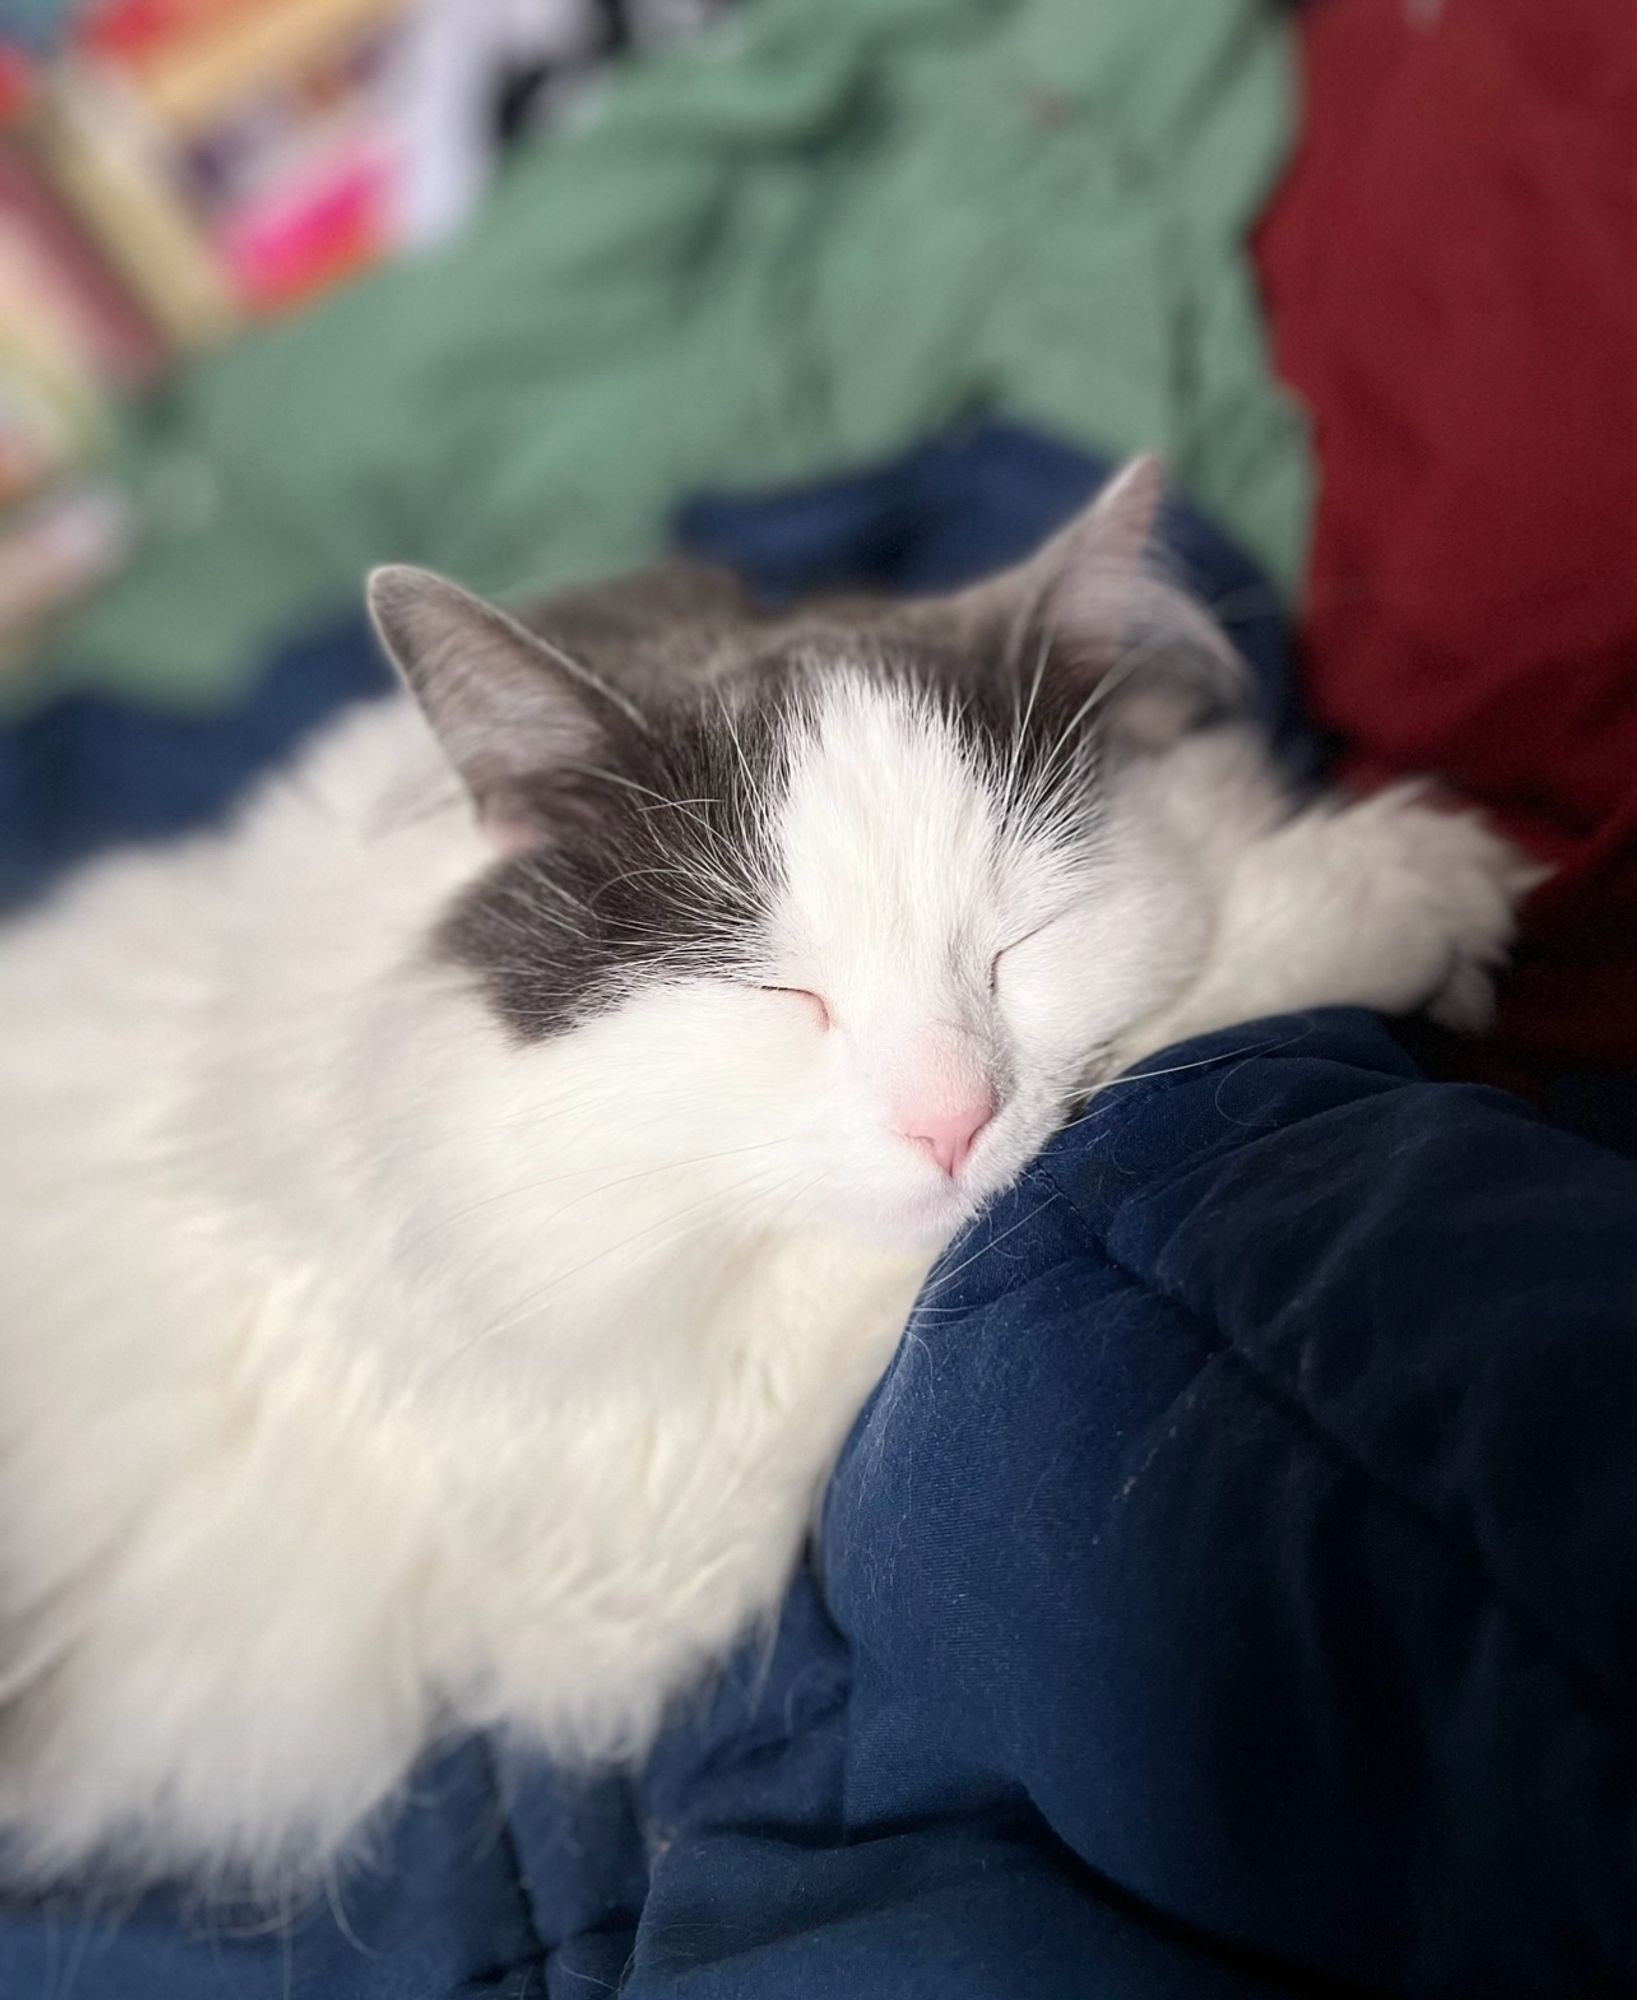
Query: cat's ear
point(508, 707)
point(1114, 531)
point(1094, 603)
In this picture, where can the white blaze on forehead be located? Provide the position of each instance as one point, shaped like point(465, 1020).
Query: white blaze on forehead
point(889, 840)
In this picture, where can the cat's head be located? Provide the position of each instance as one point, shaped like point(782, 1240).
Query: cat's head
point(853, 904)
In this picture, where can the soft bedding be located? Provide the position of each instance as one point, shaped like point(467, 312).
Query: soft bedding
point(1227, 1591)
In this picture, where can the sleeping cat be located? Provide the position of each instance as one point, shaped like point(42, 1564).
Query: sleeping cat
point(450, 1219)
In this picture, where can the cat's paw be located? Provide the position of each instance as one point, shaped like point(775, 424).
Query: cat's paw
point(1464, 884)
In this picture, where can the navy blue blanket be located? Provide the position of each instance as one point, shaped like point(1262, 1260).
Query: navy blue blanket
point(1228, 1591)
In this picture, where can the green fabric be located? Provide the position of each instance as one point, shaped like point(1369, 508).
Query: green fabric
point(793, 244)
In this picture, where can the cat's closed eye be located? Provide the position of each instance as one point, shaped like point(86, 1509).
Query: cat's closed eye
point(816, 1003)
point(994, 963)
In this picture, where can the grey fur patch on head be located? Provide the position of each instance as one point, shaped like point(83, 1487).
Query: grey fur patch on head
point(659, 862)
point(628, 743)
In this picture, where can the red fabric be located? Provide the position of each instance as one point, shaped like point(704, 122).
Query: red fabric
point(1451, 275)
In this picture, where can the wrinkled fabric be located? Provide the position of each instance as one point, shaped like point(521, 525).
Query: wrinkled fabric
point(801, 239)
point(1451, 279)
point(1228, 1591)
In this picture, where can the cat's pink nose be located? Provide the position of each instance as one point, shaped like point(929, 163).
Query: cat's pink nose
point(949, 1134)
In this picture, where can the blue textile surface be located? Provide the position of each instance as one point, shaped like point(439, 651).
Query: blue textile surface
point(1228, 1591)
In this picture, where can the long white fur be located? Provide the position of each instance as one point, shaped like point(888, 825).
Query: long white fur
point(364, 1375)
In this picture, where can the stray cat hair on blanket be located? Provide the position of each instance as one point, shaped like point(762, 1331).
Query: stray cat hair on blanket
point(450, 1218)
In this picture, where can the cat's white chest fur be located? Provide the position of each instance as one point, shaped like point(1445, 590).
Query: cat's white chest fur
point(350, 1395)
point(654, 1518)
point(288, 1494)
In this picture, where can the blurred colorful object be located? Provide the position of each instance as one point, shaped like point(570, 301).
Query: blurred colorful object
point(70, 336)
point(281, 124)
point(302, 239)
point(171, 169)
point(34, 24)
point(799, 241)
point(1451, 274)
point(58, 546)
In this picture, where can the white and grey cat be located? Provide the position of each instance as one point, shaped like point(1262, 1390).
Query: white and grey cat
point(441, 1249)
